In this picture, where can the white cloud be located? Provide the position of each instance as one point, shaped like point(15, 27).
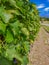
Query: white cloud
point(40, 6)
point(46, 9)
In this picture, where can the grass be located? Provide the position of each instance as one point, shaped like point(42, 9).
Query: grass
point(46, 27)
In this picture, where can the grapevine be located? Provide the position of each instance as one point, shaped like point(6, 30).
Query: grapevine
point(19, 24)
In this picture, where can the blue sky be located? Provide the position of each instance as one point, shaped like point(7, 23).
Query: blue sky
point(42, 6)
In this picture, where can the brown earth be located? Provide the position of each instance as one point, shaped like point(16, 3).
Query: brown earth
point(39, 52)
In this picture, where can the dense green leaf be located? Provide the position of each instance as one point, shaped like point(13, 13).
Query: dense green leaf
point(4, 61)
point(11, 53)
point(9, 37)
point(5, 16)
point(15, 27)
point(25, 31)
point(2, 26)
point(19, 24)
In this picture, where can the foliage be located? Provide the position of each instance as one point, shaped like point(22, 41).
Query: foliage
point(44, 18)
point(19, 24)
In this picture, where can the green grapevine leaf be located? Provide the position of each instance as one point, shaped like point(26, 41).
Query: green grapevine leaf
point(2, 26)
point(19, 25)
point(5, 15)
point(4, 61)
point(11, 53)
point(15, 27)
point(9, 37)
point(25, 31)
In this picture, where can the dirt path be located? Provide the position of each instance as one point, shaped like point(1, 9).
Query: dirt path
point(45, 24)
point(39, 54)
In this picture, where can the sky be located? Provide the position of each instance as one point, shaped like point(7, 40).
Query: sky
point(42, 6)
